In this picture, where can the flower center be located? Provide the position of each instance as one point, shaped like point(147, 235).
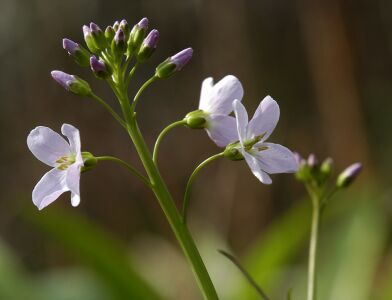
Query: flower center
point(65, 161)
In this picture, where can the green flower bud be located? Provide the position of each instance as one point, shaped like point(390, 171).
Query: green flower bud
point(109, 34)
point(89, 160)
point(72, 83)
point(98, 36)
point(326, 168)
point(232, 152)
point(137, 35)
point(348, 175)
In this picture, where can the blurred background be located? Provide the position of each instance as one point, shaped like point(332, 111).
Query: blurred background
point(329, 66)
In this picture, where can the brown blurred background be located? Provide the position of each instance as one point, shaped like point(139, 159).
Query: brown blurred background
point(327, 63)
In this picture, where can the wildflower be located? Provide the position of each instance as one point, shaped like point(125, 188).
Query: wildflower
point(174, 63)
point(214, 108)
point(65, 158)
point(72, 83)
point(80, 54)
point(263, 158)
point(148, 46)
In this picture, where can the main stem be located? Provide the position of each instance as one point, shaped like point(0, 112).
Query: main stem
point(166, 202)
point(313, 246)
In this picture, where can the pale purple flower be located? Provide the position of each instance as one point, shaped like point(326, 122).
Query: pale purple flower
point(263, 158)
point(119, 36)
point(216, 102)
point(65, 158)
point(70, 46)
point(181, 58)
point(151, 41)
point(143, 23)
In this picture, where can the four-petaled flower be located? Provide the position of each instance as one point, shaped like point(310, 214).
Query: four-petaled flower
point(216, 105)
point(65, 158)
point(262, 157)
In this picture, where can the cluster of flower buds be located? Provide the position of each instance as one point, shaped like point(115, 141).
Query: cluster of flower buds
point(312, 171)
point(105, 51)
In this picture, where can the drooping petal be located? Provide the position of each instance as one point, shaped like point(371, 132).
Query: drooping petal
point(73, 178)
point(47, 145)
point(49, 188)
point(276, 159)
point(75, 199)
point(73, 135)
point(241, 119)
point(222, 129)
point(265, 119)
point(219, 98)
point(255, 168)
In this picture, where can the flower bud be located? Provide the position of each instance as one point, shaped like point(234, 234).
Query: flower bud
point(72, 83)
point(303, 172)
point(312, 161)
point(88, 38)
point(99, 68)
point(326, 167)
point(174, 63)
point(116, 25)
point(348, 175)
point(98, 36)
point(196, 119)
point(109, 34)
point(80, 54)
point(119, 45)
point(125, 28)
point(137, 35)
point(148, 46)
point(232, 152)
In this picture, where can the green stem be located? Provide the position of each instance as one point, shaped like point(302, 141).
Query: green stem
point(161, 136)
point(190, 181)
point(127, 166)
point(314, 231)
point(165, 199)
point(110, 110)
point(131, 73)
point(141, 90)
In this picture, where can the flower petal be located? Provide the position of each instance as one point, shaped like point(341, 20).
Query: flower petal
point(219, 98)
point(242, 120)
point(73, 135)
point(73, 178)
point(75, 199)
point(276, 159)
point(255, 168)
point(265, 119)
point(47, 145)
point(222, 129)
point(49, 188)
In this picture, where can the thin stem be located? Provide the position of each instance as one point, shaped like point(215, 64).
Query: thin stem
point(313, 243)
point(109, 109)
point(190, 181)
point(161, 136)
point(127, 166)
point(245, 273)
point(131, 73)
point(164, 197)
point(141, 90)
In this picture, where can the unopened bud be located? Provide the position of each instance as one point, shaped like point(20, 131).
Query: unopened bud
point(148, 46)
point(196, 119)
point(233, 152)
point(89, 161)
point(174, 63)
point(119, 45)
point(348, 175)
point(72, 83)
point(116, 25)
point(98, 36)
point(326, 167)
point(137, 35)
point(312, 161)
point(125, 28)
point(99, 67)
point(80, 54)
point(109, 34)
point(88, 38)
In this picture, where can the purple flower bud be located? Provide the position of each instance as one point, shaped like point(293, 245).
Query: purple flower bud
point(98, 67)
point(143, 23)
point(348, 175)
point(181, 58)
point(86, 31)
point(72, 83)
point(119, 37)
point(312, 160)
point(94, 28)
point(70, 46)
point(63, 79)
point(151, 40)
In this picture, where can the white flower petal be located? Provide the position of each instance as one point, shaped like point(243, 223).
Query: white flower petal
point(276, 159)
point(255, 168)
point(222, 129)
point(49, 188)
point(265, 119)
point(73, 135)
point(205, 93)
point(47, 145)
point(219, 98)
point(75, 199)
point(73, 178)
point(242, 120)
